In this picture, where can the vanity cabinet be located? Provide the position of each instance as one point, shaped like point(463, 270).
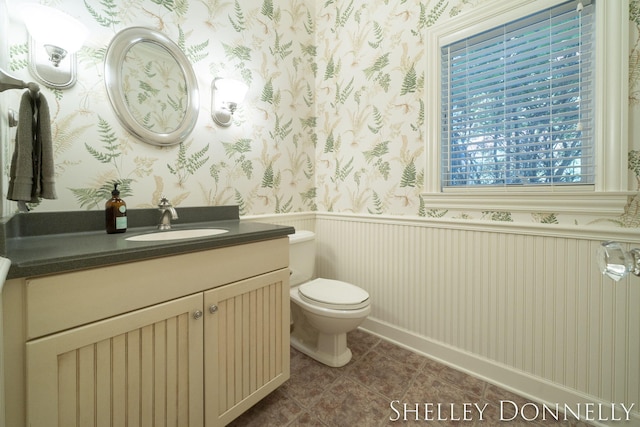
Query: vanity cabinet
point(142, 369)
point(196, 344)
point(246, 345)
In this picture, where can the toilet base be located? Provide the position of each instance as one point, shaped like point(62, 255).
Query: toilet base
point(331, 349)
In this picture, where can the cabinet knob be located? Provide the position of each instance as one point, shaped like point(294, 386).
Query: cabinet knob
point(213, 309)
point(197, 314)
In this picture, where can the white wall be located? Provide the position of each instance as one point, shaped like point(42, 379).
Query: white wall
point(4, 105)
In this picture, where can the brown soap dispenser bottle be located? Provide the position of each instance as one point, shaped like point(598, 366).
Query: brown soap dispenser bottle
point(116, 212)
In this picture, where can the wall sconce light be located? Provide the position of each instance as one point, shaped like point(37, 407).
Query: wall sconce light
point(226, 94)
point(54, 37)
point(615, 262)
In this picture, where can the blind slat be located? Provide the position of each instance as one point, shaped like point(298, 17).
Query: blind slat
point(514, 98)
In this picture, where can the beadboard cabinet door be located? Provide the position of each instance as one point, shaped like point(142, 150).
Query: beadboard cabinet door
point(144, 368)
point(246, 345)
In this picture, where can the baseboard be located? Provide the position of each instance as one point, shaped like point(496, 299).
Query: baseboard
point(530, 387)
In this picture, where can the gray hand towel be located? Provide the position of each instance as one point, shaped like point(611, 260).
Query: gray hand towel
point(45, 173)
point(31, 175)
point(21, 171)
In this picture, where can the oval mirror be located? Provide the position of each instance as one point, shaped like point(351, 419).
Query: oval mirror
point(151, 86)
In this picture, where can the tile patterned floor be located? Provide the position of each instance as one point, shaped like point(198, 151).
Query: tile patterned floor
point(360, 393)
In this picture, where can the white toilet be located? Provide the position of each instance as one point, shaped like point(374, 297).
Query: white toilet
point(322, 310)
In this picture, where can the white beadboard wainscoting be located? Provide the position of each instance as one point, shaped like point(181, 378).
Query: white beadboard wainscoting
point(522, 306)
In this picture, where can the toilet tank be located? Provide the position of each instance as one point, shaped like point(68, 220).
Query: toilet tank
point(302, 256)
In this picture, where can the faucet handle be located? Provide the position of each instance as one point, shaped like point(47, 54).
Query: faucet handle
point(164, 203)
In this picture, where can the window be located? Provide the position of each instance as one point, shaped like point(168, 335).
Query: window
point(517, 102)
point(481, 150)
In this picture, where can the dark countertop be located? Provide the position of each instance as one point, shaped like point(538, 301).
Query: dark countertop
point(56, 242)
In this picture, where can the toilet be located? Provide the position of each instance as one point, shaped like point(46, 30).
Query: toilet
point(322, 310)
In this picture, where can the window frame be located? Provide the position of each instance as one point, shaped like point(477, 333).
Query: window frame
point(609, 193)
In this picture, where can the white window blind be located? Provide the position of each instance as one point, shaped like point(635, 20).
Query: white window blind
point(517, 102)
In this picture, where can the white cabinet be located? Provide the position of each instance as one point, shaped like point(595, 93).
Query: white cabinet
point(246, 344)
point(208, 351)
point(139, 369)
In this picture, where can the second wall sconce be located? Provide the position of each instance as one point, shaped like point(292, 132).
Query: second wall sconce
point(54, 37)
point(226, 94)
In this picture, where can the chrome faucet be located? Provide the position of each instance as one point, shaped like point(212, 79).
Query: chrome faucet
point(168, 213)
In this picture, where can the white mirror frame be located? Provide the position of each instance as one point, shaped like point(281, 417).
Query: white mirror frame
point(116, 53)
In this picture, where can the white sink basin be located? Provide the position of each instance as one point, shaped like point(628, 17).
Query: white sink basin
point(177, 234)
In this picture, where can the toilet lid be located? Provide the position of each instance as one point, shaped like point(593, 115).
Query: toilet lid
point(334, 294)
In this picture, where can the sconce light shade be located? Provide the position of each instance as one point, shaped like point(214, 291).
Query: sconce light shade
point(226, 94)
point(615, 262)
point(54, 39)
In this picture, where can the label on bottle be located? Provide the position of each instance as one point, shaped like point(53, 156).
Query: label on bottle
point(122, 209)
point(121, 222)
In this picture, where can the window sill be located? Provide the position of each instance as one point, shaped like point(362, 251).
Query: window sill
point(580, 202)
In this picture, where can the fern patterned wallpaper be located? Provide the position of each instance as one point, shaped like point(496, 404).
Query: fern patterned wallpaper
point(333, 120)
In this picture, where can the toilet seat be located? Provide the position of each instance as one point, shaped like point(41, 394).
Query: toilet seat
point(333, 294)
